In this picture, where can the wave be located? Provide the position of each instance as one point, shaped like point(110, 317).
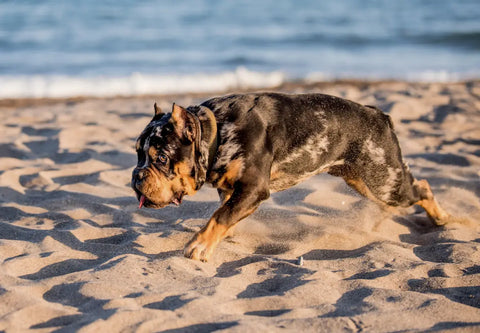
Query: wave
point(429, 76)
point(48, 86)
point(469, 40)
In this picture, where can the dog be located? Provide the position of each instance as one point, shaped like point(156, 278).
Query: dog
point(250, 145)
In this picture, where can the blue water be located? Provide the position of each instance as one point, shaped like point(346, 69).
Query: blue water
point(47, 45)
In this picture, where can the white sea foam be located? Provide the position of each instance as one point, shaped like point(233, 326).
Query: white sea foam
point(50, 86)
point(135, 84)
point(421, 76)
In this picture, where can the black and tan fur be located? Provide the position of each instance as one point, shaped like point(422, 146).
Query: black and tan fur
point(248, 146)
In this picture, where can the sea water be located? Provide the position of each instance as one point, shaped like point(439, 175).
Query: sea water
point(103, 48)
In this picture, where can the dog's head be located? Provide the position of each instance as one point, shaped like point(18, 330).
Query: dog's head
point(168, 159)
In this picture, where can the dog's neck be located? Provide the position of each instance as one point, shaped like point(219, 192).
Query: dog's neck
point(206, 141)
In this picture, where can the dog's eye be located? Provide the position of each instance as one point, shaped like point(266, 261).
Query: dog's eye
point(162, 159)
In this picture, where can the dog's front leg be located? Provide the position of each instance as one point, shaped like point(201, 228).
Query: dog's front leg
point(243, 202)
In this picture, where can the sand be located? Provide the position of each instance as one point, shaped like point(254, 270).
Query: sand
point(76, 254)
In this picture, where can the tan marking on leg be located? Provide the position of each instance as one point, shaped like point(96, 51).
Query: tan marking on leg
point(230, 232)
point(436, 213)
point(205, 241)
point(360, 186)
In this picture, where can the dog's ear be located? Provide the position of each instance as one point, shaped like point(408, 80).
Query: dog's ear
point(181, 122)
point(158, 112)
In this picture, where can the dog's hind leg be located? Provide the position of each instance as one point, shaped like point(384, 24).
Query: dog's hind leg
point(428, 202)
point(405, 191)
point(408, 192)
point(360, 186)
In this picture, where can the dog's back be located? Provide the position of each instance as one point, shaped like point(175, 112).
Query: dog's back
point(304, 134)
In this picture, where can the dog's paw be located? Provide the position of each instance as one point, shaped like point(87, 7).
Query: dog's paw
point(441, 217)
point(441, 221)
point(199, 248)
point(452, 222)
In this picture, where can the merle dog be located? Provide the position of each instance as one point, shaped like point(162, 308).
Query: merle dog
point(250, 145)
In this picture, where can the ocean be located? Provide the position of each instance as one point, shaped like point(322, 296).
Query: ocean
point(105, 48)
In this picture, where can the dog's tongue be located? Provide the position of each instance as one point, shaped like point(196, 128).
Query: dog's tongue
point(177, 200)
point(142, 201)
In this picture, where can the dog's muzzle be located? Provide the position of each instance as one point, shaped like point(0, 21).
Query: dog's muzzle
point(139, 175)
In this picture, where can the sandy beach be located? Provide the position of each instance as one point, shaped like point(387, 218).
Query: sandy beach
point(76, 253)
